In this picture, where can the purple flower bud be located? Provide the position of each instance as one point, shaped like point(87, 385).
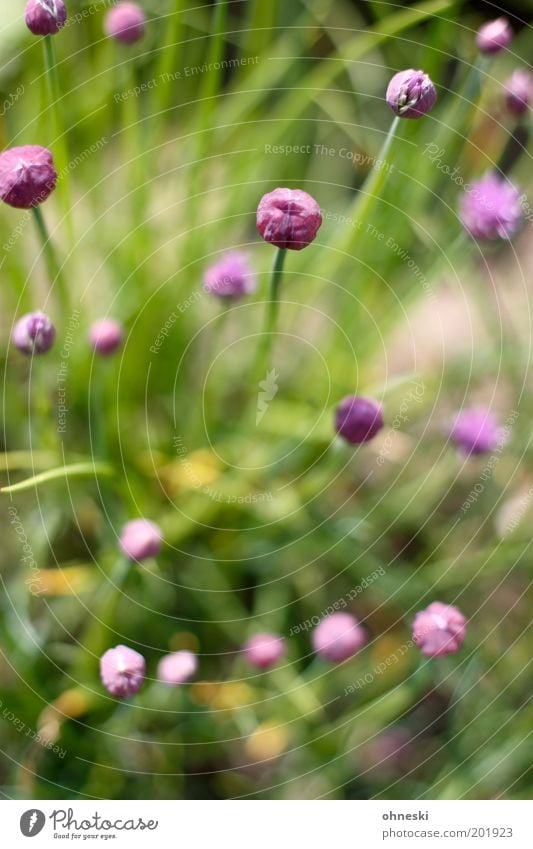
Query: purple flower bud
point(518, 91)
point(122, 671)
point(440, 629)
point(264, 650)
point(105, 336)
point(476, 431)
point(338, 637)
point(494, 36)
point(288, 218)
point(125, 22)
point(358, 419)
point(34, 333)
point(177, 668)
point(490, 208)
point(231, 277)
point(411, 94)
point(141, 539)
point(45, 17)
point(27, 176)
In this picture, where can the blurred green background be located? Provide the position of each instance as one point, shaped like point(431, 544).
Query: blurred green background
point(265, 527)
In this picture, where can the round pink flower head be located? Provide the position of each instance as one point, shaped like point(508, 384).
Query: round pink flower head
point(476, 431)
point(105, 336)
point(178, 667)
point(264, 650)
point(439, 629)
point(122, 671)
point(494, 36)
point(518, 91)
point(27, 176)
point(45, 17)
point(411, 94)
point(358, 419)
point(125, 22)
point(491, 208)
point(288, 218)
point(141, 539)
point(230, 277)
point(34, 333)
point(338, 637)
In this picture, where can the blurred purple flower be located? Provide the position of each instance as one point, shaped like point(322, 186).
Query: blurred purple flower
point(27, 176)
point(264, 650)
point(338, 637)
point(494, 36)
point(390, 753)
point(491, 208)
point(288, 218)
point(125, 22)
point(106, 335)
point(358, 419)
point(518, 91)
point(230, 277)
point(45, 17)
point(476, 431)
point(34, 333)
point(411, 94)
point(141, 539)
point(439, 630)
point(178, 667)
point(122, 671)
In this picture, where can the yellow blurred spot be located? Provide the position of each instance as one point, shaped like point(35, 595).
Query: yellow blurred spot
point(64, 581)
point(267, 741)
point(191, 471)
point(71, 703)
point(221, 696)
point(184, 640)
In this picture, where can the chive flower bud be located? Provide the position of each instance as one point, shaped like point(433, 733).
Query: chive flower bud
point(105, 336)
point(27, 176)
point(45, 17)
point(411, 94)
point(178, 667)
point(491, 208)
point(288, 218)
point(358, 419)
point(338, 637)
point(476, 431)
point(231, 277)
point(494, 36)
point(264, 650)
point(141, 539)
point(34, 333)
point(439, 630)
point(122, 671)
point(518, 91)
point(125, 22)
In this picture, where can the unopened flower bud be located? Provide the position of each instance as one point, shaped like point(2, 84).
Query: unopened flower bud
point(338, 637)
point(494, 36)
point(105, 336)
point(358, 419)
point(411, 94)
point(125, 22)
point(288, 218)
point(34, 333)
point(122, 671)
point(439, 630)
point(264, 650)
point(27, 176)
point(45, 17)
point(476, 431)
point(178, 667)
point(141, 539)
point(518, 91)
point(231, 277)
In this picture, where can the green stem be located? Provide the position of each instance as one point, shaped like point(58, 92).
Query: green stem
point(272, 311)
point(52, 264)
point(375, 182)
point(59, 144)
